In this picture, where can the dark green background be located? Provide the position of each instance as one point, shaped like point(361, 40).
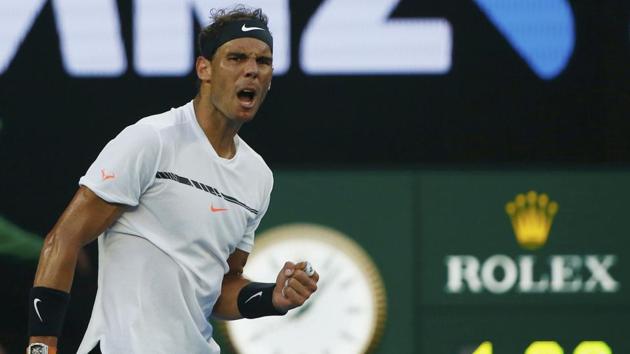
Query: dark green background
point(464, 213)
point(408, 221)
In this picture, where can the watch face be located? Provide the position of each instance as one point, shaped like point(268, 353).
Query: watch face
point(345, 315)
point(37, 348)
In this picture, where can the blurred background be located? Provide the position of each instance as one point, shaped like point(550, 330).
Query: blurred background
point(407, 125)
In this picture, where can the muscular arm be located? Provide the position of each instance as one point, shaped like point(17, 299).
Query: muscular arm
point(86, 217)
point(226, 307)
point(293, 287)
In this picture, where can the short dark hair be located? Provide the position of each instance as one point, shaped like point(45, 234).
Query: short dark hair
point(220, 17)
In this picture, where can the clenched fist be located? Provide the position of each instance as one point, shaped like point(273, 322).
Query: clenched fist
point(294, 286)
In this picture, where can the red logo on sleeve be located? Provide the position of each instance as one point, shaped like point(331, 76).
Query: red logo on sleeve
point(105, 176)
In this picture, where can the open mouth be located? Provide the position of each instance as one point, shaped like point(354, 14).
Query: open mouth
point(246, 97)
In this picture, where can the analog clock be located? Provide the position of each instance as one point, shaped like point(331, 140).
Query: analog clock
point(345, 316)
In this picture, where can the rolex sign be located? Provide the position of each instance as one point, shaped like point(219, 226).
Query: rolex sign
point(531, 216)
point(522, 238)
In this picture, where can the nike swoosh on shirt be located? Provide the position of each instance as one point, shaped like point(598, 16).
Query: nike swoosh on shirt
point(37, 310)
point(247, 29)
point(253, 296)
point(214, 210)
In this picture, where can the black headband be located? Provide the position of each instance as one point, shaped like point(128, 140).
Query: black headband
point(238, 29)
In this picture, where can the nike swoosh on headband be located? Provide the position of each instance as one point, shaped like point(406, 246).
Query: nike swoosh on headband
point(247, 29)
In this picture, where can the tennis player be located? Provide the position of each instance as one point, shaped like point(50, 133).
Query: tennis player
point(176, 199)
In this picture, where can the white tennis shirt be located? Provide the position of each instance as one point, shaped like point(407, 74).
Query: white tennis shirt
point(162, 263)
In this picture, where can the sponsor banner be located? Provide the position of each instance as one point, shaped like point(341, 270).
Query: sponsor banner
point(472, 262)
point(552, 238)
point(164, 37)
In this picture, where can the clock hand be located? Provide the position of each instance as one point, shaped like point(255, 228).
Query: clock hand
point(299, 312)
point(320, 289)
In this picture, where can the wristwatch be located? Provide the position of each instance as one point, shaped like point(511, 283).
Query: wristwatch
point(40, 348)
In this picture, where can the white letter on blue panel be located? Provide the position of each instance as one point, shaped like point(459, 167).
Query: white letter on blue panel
point(90, 39)
point(357, 37)
point(163, 37)
point(16, 19)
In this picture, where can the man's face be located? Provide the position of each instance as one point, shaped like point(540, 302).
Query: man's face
point(241, 75)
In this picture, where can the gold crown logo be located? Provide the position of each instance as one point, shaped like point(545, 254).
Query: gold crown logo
point(531, 216)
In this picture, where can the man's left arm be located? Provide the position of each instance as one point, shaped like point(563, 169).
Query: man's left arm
point(290, 290)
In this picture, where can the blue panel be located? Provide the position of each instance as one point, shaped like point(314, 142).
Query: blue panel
point(541, 31)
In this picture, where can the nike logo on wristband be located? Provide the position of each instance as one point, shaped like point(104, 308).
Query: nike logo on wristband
point(37, 310)
point(253, 296)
